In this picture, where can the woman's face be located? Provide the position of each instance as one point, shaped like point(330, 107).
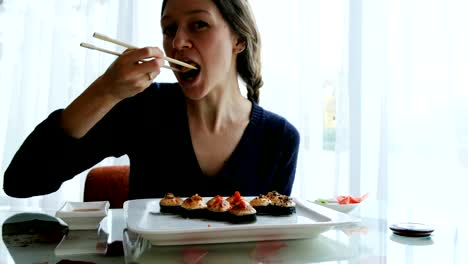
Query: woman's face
point(195, 32)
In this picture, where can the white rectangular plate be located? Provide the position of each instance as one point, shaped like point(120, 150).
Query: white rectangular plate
point(83, 215)
point(143, 217)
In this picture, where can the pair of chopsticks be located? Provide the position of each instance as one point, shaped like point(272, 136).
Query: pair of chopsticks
point(126, 45)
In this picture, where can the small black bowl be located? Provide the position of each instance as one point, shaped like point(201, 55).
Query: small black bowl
point(411, 229)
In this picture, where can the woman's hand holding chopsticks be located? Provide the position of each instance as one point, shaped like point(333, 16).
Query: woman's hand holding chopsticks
point(132, 72)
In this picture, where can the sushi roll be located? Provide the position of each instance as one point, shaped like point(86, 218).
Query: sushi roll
point(218, 208)
point(170, 204)
point(272, 195)
point(282, 205)
point(242, 212)
point(262, 204)
point(235, 198)
point(193, 207)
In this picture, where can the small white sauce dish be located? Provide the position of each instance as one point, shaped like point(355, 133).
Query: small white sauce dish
point(83, 215)
point(333, 204)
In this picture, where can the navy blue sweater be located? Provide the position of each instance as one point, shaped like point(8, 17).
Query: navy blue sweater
point(152, 129)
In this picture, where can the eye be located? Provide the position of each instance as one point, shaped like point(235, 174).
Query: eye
point(199, 25)
point(169, 30)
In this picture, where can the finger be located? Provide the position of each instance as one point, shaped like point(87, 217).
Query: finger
point(136, 55)
point(128, 50)
point(151, 75)
point(150, 66)
point(128, 70)
point(140, 71)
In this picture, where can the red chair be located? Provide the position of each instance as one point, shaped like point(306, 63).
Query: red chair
point(107, 183)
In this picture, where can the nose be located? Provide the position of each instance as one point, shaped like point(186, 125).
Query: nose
point(181, 40)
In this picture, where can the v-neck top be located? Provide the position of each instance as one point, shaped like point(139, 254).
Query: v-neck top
point(152, 129)
point(253, 118)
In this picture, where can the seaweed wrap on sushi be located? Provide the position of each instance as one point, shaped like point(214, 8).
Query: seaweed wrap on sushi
point(262, 204)
point(282, 205)
point(218, 208)
point(242, 212)
point(193, 207)
point(170, 204)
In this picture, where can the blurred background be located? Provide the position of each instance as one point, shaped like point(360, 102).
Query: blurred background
point(377, 89)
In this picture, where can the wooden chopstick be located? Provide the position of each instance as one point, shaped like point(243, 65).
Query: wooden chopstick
point(111, 40)
point(91, 46)
point(123, 44)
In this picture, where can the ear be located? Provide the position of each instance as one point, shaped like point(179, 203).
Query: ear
point(239, 46)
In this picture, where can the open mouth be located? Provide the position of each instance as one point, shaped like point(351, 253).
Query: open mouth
point(189, 74)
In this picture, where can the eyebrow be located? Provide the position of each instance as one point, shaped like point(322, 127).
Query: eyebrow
point(191, 12)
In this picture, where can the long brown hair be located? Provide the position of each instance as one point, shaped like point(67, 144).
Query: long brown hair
point(239, 16)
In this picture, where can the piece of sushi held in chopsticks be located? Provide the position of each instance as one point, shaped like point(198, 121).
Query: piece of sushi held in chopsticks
point(170, 204)
point(218, 209)
point(193, 207)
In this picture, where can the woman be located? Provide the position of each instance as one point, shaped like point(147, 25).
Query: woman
point(199, 135)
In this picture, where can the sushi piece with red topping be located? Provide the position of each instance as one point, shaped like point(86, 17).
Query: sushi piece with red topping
point(218, 208)
point(170, 204)
point(193, 207)
point(235, 198)
point(242, 212)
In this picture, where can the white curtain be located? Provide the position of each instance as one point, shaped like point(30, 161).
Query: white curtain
point(378, 89)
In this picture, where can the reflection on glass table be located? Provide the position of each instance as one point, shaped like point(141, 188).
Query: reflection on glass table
point(35, 238)
point(319, 249)
point(39, 237)
point(152, 235)
point(31, 237)
point(369, 241)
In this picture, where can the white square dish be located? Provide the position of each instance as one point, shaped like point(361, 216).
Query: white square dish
point(143, 217)
point(83, 215)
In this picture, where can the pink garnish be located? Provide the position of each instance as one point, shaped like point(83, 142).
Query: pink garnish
point(350, 199)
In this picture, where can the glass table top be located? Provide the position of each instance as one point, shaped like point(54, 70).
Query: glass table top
point(368, 241)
